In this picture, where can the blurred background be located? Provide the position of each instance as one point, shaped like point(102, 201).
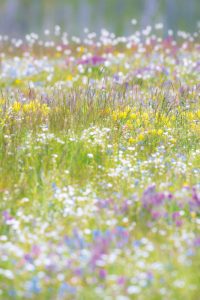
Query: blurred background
point(18, 17)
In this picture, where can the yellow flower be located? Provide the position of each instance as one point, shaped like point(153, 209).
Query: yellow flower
point(133, 116)
point(44, 109)
point(159, 132)
point(122, 115)
point(129, 124)
point(131, 140)
point(58, 54)
point(80, 49)
point(190, 116)
point(69, 77)
point(114, 116)
point(153, 131)
point(145, 116)
point(16, 106)
point(193, 214)
point(17, 81)
point(36, 107)
point(138, 122)
point(30, 107)
point(141, 137)
point(198, 114)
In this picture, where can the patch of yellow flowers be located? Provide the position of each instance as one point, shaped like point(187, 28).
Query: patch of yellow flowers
point(33, 107)
point(133, 119)
point(148, 134)
point(131, 116)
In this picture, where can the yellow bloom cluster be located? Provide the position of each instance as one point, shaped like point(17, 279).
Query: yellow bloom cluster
point(32, 107)
point(163, 119)
point(131, 113)
point(119, 115)
point(143, 135)
point(16, 106)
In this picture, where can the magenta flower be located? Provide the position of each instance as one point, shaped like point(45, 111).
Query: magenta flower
point(102, 273)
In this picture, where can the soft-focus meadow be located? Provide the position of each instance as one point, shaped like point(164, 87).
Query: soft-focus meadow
point(99, 166)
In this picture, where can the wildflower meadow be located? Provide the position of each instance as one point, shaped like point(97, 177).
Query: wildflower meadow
point(100, 165)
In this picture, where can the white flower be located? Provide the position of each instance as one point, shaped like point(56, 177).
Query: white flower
point(133, 21)
point(133, 289)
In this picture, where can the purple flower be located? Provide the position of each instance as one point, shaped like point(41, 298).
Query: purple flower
point(179, 223)
point(35, 250)
point(94, 60)
point(156, 214)
point(7, 216)
point(175, 215)
point(151, 198)
point(197, 242)
point(102, 273)
point(121, 280)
